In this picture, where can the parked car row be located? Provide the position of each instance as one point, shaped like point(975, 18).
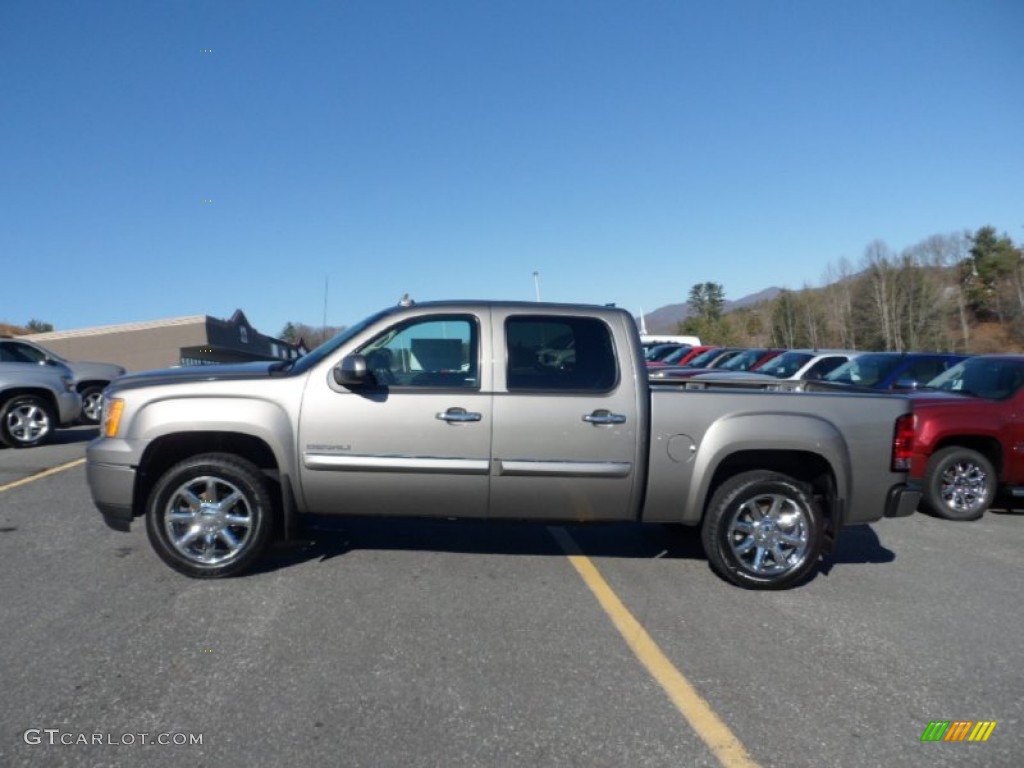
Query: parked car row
point(41, 391)
point(968, 414)
point(891, 371)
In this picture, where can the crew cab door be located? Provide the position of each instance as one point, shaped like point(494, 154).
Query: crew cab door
point(415, 440)
point(566, 432)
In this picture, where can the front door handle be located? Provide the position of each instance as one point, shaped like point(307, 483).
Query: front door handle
point(458, 416)
point(604, 418)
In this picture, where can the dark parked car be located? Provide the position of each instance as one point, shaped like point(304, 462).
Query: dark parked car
point(702, 363)
point(684, 356)
point(660, 351)
point(727, 359)
point(896, 371)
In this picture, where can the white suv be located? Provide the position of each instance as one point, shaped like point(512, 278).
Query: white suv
point(807, 363)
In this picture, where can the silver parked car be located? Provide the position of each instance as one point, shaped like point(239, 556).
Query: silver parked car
point(90, 378)
point(34, 400)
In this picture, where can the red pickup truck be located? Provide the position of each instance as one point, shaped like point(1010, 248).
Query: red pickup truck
point(969, 436)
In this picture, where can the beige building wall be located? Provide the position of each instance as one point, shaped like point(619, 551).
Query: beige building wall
point(136, 346)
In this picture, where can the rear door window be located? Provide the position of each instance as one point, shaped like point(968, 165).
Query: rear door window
point(559, 354)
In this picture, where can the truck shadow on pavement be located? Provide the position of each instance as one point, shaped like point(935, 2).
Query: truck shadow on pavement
point(326, 538)
point(857, 544)
point(323, 539)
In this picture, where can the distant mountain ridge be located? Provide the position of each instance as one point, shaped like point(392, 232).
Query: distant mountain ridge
point(667, 319)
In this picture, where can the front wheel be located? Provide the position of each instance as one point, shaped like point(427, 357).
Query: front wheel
point(763, 530)
point(92, 405)
point(25, 421)
point(960, 484)
point(210, 516)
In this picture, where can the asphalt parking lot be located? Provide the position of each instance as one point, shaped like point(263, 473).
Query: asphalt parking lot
point(442, 643)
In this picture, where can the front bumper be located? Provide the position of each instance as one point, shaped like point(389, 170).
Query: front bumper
point(903, 500)
point(69, 407)
point(111, 477)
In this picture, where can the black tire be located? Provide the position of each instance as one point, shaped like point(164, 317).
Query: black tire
point(191, 528)
point(763, 530)
point(26, 421)
point(92, 401)
point(960, 484)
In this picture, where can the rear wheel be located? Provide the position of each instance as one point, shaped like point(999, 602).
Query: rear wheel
point(763, 530)
point(25, 421)
point(960, 484)
point(210, 516)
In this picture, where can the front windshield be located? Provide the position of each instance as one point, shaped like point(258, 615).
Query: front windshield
point(307, 361)
point(993, 378)
point(785, 365)
point(673, 358)
point(744, 361)
point(661, 351)
point(865, 370)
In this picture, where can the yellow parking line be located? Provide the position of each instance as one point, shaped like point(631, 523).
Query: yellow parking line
point(41, 475)
point(698, 713)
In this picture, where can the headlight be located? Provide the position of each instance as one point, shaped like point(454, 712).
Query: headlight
point(111, 421)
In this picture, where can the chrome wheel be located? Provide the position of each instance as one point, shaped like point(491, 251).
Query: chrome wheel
point(763, 530)
point(770, 535)
point(92, 406)
point(964, 487)
point(25, 421)
point(960, 483)
point(208, 520)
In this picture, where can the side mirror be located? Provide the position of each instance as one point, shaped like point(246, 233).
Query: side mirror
point(352, 371)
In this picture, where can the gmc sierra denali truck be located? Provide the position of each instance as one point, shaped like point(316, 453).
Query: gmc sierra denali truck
point(492, 410)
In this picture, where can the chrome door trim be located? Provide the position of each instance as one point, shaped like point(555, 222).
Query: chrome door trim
point(522, 467)
point(396, 463)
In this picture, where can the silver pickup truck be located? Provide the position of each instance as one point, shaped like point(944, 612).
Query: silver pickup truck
point(492, 410)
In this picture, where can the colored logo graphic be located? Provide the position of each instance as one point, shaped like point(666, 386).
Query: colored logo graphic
point(958, 730)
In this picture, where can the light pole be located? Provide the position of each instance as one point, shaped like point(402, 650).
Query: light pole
point(323, 325)
point(536, 284)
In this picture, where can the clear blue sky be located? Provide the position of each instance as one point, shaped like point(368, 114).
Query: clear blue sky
point(624, 150)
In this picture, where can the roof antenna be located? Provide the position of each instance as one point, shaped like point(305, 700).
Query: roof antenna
point(406, 301)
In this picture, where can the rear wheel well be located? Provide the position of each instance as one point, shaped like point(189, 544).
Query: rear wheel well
point(164, 452)
point(988, 447)
point(803, 466)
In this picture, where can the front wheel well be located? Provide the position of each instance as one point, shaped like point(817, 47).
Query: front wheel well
point(43, 394)
point(166, 451)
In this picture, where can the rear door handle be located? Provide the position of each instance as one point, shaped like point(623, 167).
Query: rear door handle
point(458, 416)
point(604, 418)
